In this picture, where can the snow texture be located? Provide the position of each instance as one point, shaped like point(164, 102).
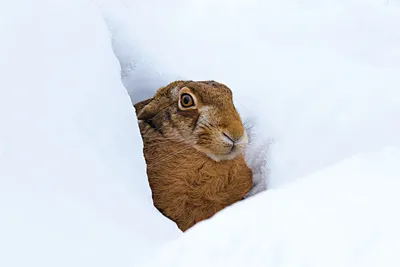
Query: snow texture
point(73, 188)
point(317, 81)
point(345, 215)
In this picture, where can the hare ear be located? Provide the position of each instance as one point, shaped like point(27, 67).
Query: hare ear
point(145, 109)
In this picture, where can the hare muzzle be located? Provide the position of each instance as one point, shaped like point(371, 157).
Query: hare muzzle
point(233, 142)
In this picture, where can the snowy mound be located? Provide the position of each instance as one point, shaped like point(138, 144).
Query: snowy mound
point(73, 188)
point(345, 215)
point(319, 82)
point(317, 79)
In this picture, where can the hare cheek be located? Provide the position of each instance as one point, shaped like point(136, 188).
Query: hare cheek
point(212, 142)
point(206, 113)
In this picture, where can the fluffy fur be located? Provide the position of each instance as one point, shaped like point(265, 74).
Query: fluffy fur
point(193, 141)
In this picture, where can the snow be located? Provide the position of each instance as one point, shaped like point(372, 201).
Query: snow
point(344, 215)
point(73, 188)
point(317, 81)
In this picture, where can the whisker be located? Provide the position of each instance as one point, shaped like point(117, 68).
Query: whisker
point(161, 143)
point(169, 156)
point(207, 121)
point(205, 126)
point(180, 142)
point(184, 161)
point(172, 139)
point(204, 122)
point(162, 138)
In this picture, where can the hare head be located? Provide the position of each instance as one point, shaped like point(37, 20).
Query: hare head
point(200, 114)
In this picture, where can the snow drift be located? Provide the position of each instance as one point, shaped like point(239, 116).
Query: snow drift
point(73, 189)
point(345, 215)
point(318, 80)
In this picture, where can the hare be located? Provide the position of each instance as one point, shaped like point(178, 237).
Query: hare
point(193, 140)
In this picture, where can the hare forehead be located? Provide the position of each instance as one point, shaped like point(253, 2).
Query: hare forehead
point(175, 92)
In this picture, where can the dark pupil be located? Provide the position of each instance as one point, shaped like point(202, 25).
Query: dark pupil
point(186, 100)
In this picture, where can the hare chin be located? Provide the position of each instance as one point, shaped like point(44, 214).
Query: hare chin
point(220, 157)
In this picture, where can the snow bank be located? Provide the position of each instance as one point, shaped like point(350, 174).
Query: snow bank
point(317, 77)
point(73, 189)
point(345, 215)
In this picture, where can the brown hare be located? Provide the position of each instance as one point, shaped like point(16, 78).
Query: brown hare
point(193, 141)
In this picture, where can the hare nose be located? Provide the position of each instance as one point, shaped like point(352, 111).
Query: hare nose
point(233, 137)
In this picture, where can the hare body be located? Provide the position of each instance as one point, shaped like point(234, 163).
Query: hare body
point(193, 152)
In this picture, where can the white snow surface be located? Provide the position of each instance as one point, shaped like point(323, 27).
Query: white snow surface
point(345, 215)
point(73, 188)
point(317, 79)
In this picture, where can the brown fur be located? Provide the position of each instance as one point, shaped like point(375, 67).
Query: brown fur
point(190, 176)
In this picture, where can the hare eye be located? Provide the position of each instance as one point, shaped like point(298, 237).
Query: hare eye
point(187, 100)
